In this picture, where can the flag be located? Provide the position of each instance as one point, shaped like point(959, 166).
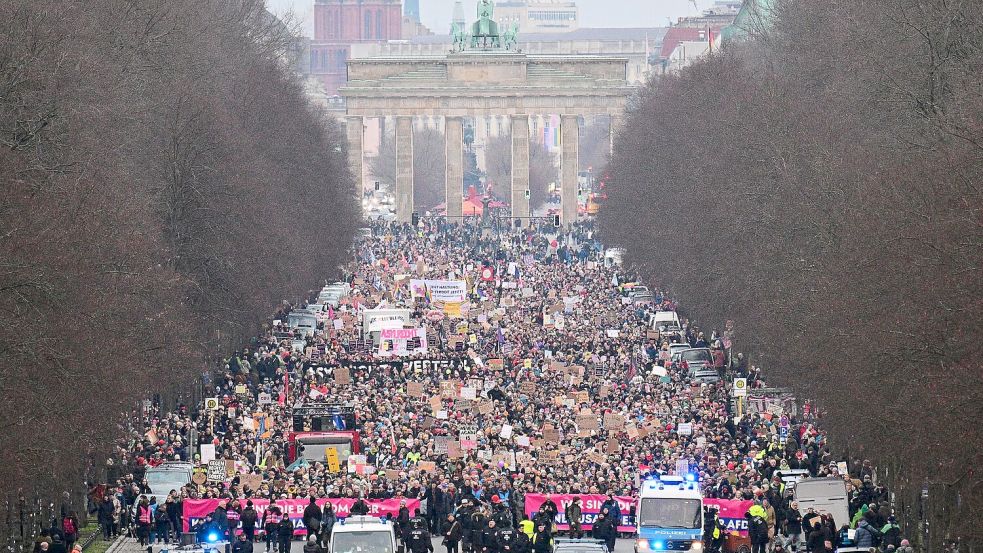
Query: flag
point(286, 389)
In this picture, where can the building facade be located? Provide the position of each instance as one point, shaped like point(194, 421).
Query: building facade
point(338, 24)
point(538, 16)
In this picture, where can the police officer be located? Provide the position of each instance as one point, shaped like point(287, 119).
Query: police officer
point(464, 515)
point(418, 537)
point(479, 521)
point(488, 540)
point(506, 539)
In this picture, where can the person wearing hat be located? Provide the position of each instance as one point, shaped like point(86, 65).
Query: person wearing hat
point(573, 516)
point(891, 533)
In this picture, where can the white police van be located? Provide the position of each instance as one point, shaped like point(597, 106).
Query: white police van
point(670, 515)
point(363, 534)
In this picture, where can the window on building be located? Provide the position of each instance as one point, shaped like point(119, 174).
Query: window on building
point(368, 25)
point(379, 32)
point(313, 59)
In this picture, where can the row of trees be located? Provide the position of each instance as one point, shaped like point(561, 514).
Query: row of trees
point(820, 184)
point(165, 187)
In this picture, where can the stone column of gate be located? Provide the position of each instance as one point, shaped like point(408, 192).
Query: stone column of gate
point(454, 155)
point(404, 169)
point(615, 126)
point(520, 166)
point(569, 167)
point(354, 129)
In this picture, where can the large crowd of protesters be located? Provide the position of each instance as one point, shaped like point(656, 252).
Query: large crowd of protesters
point(572, 345)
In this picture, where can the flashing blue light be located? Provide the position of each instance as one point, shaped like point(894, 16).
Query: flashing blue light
point(691, 477)
point(212, 538)
point(659, 545)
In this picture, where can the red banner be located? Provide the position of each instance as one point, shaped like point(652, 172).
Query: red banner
point(590, 506)
point(731, 511)
point(197, 509)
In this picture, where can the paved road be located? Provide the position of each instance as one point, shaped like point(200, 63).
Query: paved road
point(130, 545)
point(621, 546)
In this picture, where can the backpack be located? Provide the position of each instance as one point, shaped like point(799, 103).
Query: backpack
point(68, 525)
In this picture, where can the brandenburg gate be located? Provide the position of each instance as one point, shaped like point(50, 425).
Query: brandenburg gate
point(483, 76)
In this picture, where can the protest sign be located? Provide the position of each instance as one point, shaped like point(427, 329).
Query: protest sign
point(216, 470)
point(414, 389)
point(439, 290)
point(342, 375)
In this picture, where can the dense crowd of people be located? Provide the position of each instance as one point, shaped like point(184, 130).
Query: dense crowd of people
point(575, 394)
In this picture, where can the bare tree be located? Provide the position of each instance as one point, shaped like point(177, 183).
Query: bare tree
point(160, 167)
point(428, 166)
point(820, 186)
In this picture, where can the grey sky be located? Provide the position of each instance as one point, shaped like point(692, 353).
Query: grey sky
point(436, 14)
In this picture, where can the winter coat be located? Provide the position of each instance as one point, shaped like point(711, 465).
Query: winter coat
point(866, 535)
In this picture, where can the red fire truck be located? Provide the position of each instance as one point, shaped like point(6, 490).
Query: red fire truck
point(320, 426)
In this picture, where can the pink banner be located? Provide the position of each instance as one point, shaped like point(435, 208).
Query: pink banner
point(197, 509)
point(590, 506)
point(732, 511)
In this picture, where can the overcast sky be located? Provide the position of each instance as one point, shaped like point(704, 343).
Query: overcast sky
point(436, 14)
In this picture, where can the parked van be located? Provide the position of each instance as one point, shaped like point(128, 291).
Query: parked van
point(303, 321)
point(166, 477)
point(825, 495)
point(667, 323)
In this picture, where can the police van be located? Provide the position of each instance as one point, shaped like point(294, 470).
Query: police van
point(363, 534)
point(670, 515)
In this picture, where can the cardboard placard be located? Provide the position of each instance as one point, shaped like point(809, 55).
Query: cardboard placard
point(587, 422)
point(551, 435)
point(448, 389)
point(486, 407)
point(582, 397)
point(342, 375)
point(427, 466)
point(597, 457)
point(454, 450)
point(414, 389)
point(613, 446)
point(549, 457)
point(436, 404)
point(528, 387)
point(614, 422)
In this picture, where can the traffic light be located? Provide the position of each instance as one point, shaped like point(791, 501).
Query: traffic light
point(556, 220)
point(415, 218)
point(518, 223)
point(526, 193)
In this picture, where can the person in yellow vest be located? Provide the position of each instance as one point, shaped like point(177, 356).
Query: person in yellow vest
point(527, 526)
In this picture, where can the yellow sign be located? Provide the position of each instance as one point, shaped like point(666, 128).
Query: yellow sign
point(453, 309)
point(331, 455)
point(527, 363)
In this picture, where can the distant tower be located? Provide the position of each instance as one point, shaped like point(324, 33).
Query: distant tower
point(411, 9)
point(457, 16)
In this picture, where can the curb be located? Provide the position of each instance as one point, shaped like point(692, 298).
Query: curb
point(118, 544)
